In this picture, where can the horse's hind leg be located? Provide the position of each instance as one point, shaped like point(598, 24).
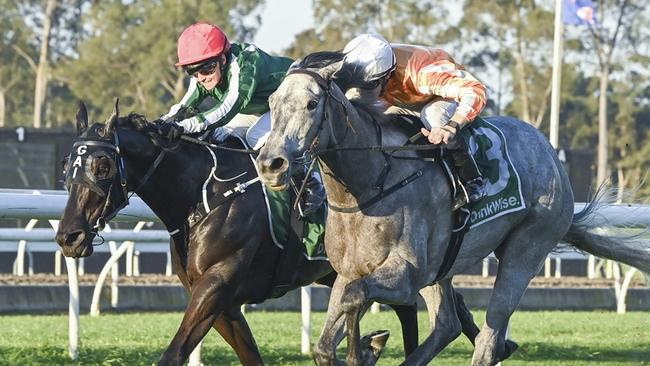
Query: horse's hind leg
point(234, 329)
point(520, 258)
point(471, 330)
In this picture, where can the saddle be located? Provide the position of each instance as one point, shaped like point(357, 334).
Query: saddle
point(411, 127)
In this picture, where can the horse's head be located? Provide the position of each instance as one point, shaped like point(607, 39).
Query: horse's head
point(96, 180)
point(303, 109)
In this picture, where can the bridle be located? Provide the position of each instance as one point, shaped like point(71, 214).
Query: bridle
point(114, 186)
point(310, 155)
point(326, 86)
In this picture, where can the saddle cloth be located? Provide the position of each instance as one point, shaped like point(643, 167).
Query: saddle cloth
point(489, 148)
point(279, 207)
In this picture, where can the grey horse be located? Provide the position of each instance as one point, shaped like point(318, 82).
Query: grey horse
point(390, 249)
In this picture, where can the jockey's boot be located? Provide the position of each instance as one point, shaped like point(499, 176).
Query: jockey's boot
point(313, 196)
point(468, 173)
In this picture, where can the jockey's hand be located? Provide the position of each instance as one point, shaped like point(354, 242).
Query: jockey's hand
point(171, 131)
point(441, 135)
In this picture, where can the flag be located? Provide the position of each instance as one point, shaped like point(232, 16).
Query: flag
point(578, 12)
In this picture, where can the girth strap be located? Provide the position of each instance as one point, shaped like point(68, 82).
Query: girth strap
point(461, 226)
point(201, 211)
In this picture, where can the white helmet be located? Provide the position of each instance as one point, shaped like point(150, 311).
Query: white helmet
point(373, 53)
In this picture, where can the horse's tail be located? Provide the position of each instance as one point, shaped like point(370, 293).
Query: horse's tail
point(588, 233)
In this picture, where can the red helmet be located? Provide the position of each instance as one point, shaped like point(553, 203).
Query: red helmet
point(199, 42)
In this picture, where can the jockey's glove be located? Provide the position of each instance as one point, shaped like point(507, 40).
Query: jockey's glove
point(171, 131)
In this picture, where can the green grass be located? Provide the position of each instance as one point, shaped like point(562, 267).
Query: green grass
point(545, 338)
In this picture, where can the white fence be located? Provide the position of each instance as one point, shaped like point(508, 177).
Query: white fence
point(48, 205)
point(36, 205)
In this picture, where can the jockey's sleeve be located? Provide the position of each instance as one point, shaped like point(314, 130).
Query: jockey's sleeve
point(448, 80)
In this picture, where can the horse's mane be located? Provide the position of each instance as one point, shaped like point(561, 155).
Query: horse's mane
point(135, 120)
point(139, 123)
point(319, 60)
point(348, 75)
point(351, 75)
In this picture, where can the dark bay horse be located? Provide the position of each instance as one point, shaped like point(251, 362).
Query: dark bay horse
point(389, 249)
point(225, 260)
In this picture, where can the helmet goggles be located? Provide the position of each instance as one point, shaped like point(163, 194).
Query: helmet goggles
point(204, 68)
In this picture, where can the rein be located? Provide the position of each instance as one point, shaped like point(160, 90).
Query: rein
point(196, 141)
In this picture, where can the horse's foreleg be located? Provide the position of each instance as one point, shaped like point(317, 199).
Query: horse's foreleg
point(325, 348)
point(392, 283)
point(234, 329)
point(520, 257)
point(209, 296)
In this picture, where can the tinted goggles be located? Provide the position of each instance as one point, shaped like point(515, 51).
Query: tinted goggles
point(206, 68)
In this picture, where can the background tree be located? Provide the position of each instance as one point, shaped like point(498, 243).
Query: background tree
point(615, 18)
point(511, 36)
point(338, 21)
point(16, 63)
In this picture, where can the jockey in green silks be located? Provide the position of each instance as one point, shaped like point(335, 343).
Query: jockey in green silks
point(240, 78)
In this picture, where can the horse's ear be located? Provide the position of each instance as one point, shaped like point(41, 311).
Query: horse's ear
point(329, 70)
point(112, 120)
point(82, 118)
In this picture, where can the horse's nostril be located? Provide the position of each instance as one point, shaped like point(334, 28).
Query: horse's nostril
point(74, 237)
point(277, 163)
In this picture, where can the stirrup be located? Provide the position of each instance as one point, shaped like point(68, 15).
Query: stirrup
point(475, 190)
point(460, 200)
point(309, 205)
point(313, 198)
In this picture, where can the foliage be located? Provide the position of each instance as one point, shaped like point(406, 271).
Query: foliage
point(512, 39)
point(100, 50)
point(338, 21)
point(16, 75)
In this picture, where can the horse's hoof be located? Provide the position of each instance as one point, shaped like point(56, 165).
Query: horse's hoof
point(375, 342)
point(509, 348)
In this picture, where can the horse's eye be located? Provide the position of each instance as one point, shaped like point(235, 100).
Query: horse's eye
point(103, 168)
point(312, 104)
